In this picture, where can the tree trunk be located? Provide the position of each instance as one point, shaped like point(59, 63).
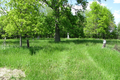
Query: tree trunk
point(57, 33)
point(20, 41)
point(28, 43)
point(57, 30)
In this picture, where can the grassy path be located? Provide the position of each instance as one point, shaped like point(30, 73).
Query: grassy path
point(67, 60)
point(63, 57)
point(103, 71)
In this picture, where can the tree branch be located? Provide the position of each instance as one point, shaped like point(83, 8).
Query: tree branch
point(48, 3)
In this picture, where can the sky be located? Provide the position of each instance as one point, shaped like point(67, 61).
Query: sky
point(112, 5)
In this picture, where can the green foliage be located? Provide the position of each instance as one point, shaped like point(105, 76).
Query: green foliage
point(118, 28)
point(49, 26)
point(72, 23)
point(23, 17)
point(44, 18)
point(99, 21)
point(2, 25)
point(83, 3)
point(64, 21)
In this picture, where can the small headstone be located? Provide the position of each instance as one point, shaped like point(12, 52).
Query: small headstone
point(67, 35)
point(38, 37)
point(33, 38)
point(4, 43)
point(104, 43)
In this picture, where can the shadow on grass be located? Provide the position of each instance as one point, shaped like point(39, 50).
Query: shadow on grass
point(48, 49)
point(12, 41)
point(34, 49)
point(51, 40)
point(79, 41)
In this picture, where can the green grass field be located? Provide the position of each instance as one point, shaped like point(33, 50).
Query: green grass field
point(70, 59)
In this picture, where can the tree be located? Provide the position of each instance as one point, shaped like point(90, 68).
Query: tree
point(23, 18)
point(49, 28)
point(72, 24)
point(98, 21)
point(58, 6)
point(2, 25)
point(3, 16)
point(118, 28)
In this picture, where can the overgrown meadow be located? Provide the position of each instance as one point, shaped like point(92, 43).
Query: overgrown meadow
point(70, 59)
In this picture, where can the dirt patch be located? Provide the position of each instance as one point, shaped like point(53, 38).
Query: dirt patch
point(8, 74)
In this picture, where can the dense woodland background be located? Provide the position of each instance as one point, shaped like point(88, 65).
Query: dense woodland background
point(54, 19)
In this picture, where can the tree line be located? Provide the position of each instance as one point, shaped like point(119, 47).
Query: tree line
point(54, 19)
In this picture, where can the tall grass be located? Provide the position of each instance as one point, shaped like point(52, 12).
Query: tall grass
point(70, 59)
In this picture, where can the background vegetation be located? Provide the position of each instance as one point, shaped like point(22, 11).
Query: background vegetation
point(54, 19)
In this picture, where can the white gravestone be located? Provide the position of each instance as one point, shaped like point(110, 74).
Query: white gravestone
point(67, 35)
point(38, 37)
point(104, 43)
point(5, 41)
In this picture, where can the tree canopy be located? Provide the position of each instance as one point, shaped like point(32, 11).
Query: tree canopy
point(99, 21)
point(23, 18)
